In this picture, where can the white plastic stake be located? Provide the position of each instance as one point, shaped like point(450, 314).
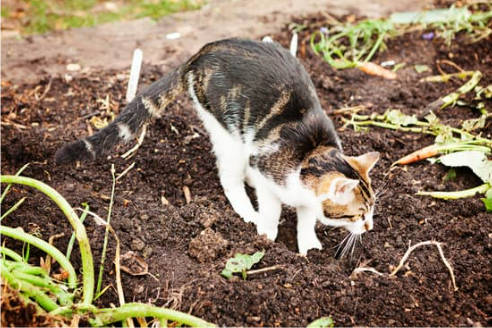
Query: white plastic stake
point(293, 44)
point(134, 75)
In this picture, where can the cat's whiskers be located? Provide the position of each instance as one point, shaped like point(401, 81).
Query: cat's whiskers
point(341, 244)
point(382, 190)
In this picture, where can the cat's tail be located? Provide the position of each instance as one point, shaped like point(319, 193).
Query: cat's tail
point(146, 106)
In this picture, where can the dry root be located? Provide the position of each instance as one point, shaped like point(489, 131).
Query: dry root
point(405, 257)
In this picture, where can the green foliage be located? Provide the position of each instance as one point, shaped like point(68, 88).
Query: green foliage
point(47, 15)
point(488, 200)
point(241, 263)
point(450, 175)
point(323, 322)
point(35, 285)
point(477, 161)
point(345, 45)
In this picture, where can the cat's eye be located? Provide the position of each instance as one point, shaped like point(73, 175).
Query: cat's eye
point(355, 218)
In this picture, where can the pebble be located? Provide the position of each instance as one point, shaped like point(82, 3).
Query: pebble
point(148, 251)
point(137, 244)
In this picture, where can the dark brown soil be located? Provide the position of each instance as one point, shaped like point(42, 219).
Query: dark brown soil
point(186, 245)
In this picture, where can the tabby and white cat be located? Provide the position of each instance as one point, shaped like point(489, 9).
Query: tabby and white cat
point(267, 129)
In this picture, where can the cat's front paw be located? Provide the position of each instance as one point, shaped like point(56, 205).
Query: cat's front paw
point(271, 233)
point(252, 217)
point(306, 245)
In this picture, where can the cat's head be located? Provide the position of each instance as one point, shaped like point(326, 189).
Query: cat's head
point(343, 189)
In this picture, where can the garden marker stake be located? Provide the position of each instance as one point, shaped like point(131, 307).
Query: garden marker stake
point(134, 75)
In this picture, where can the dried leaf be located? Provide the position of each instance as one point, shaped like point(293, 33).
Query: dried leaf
point(133, 264)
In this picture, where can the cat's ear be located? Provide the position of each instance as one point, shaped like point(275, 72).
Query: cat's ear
point(338, 190)
point(367, 161)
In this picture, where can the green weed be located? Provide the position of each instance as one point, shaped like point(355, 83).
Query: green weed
point(46, 15)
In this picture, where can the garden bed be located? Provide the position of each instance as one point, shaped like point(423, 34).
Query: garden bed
point(187, 242)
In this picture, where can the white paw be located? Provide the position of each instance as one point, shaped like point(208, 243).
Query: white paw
point(270, 233)
point(253, 217)
point(306, 245)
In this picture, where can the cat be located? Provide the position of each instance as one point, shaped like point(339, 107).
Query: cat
point(267, 129)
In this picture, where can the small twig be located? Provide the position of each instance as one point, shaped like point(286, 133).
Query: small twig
point(441, 253)
point(125, 171)
point(7, 122)
point(131, 152)
point(45, 92)
point(271, 268)
point(447, 62)
point(366, 269)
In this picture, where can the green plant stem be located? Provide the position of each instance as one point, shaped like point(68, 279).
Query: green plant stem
point(454, 96)
point(446, 77)
point(72, 238)
point(6, 190)
point(13, 208)
point(453, 147)
point(26, 268)
point(105, 317)
point(10, 253)
point(457, 194)
point(45, 282)
point(80, 233)
point(424, 127)
point(106, 234)
point(44, 246)
point(41, 298)
point(375, 47)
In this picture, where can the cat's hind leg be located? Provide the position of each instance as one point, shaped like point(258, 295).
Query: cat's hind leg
point(232, 173)
point(231, 159)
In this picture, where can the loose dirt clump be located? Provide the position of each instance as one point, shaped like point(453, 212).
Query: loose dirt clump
point(207, 246)
point(186, 242)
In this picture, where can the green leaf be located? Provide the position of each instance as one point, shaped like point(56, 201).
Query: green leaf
point(488, 203)
point(421, 68)
point(322, 322)
point(432, 16)
point(398, 118)
point(226, 273)
point(488, 194)
point(475, 160)
point(241, 263)
point(431, 118)
point(450, 175)
point(474, 123)
point(488, 200)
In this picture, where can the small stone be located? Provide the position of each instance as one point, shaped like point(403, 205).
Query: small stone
point(73, 67)
point(148, 251)
point(138, 289)
point(137, 245)
point(253, 319)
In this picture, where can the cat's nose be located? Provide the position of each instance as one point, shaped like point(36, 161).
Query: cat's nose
point(368, 226)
